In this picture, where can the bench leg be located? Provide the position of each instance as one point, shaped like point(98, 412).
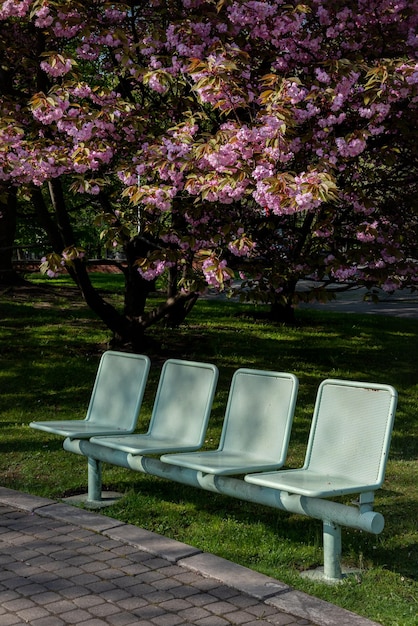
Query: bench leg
point(94, 480)
point(332, 551)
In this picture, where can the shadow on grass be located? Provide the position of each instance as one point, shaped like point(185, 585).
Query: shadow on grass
point(186, 507)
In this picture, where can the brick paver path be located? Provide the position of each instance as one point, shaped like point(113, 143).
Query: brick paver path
point(53, 573)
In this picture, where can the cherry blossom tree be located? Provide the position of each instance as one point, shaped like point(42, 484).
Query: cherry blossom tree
point(275, 139)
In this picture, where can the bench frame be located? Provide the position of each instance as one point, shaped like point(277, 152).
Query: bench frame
point(334, 515)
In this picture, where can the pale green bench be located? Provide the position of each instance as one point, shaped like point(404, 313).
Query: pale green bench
point(115, 400)
point(256, 427)
point(179, 420)
point(347, 453)
point(180, 413)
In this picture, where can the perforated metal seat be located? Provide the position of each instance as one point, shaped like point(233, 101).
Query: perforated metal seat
point(180, 413)
point(256, 427)
point(115, 400)
point(348, 444)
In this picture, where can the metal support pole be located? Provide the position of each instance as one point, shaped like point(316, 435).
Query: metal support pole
point(94, 469)
point(332, 550)
point(318, 508)
point(333, 514)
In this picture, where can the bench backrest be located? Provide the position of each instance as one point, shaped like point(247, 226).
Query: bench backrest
point(259, 414)
point(118, 390)
point(183, 401)
point(351, 431)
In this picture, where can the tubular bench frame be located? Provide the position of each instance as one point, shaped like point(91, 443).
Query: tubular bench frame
point(261, 488)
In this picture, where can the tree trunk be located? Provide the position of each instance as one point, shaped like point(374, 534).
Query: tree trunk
point(281, 308)
point(125, 331)
point(137, 289)
point(182, 306)
point(8, 206)
point(283, 313)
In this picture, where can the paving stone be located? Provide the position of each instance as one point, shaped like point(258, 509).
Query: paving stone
point(240, 617)
point(48, 621)
point(170, 619)
point(158, 596)
point(46, 597)
point(10, 620)
point(132, 603)
point(121, 619)
point(6, 595)
point(60, 606)
point(103, 609)
point(194, 613)
point(100, 587)
point(18, 604)
point(234, 575)
point(174, 605)
point(32, 614)
point(92, 622)
point(74, 591)
point(221, 608)
point(88, 601)
point(201, 599)
point(212, 620)
point(75, 616)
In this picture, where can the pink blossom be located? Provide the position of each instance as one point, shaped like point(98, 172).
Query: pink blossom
point(351, 148)
point(43, 17)
point(306, 201)
point(268, 103)
point(214, 272)
point(262, 171)
point(390, 286)
point(344, 274)
point(14, 8)
point(57, 66)
point(153, 270)
point(115, 15)
point(66, 30)
point(322, 76)
point(156, 85)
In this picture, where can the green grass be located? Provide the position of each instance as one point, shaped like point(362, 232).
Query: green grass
point(48, 359)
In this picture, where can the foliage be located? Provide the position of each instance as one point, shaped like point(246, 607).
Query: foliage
point(274, 138)
point(50, 348)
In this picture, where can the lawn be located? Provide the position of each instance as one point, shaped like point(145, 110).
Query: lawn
point(50, 344)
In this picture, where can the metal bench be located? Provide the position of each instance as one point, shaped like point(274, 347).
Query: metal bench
point(347, 450)
point(180, 414)
point(347, 453)
point(256, 428)
point(179, 419)
point(115, 399)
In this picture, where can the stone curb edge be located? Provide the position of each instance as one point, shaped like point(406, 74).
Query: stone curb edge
point(253, 584)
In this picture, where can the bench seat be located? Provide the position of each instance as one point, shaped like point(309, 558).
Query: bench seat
point(221, 462)
point(348, 442)
point(309, 483)
point(115, 400)
point(180, 413)
point(256, 428)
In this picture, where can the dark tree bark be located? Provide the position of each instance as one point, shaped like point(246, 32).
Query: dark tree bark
point(183, 305)
point(282, 312)
point(8, 205)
